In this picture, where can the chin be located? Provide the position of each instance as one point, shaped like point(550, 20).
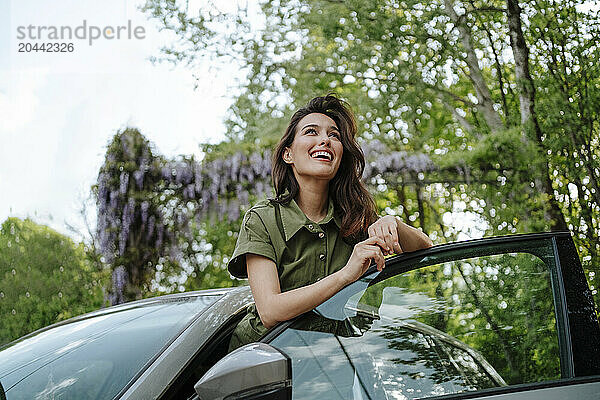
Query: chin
point(329, 174)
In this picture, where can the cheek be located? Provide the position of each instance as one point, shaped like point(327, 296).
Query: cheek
point(299, 146)
point(340, 151)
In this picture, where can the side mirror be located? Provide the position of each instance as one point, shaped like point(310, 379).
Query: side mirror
point(256, 371)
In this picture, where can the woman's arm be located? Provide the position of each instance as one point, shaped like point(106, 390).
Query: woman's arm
point(411, 238)
point(398, 236)
point(274, 306)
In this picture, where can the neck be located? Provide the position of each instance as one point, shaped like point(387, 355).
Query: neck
point(313, 199)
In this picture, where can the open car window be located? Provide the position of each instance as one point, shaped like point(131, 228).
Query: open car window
point(459, 321)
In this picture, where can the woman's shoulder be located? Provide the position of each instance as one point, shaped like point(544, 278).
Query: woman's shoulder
point(261, 213)
point(262, 205)
point(263, 208)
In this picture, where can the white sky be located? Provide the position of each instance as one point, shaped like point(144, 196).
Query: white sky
point(59, 111)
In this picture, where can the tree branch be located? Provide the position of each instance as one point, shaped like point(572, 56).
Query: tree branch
point(486, 9)
point(498, 71)
point(486, 105)
point(461, 120)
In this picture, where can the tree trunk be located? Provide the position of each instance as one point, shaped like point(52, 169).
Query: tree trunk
point(484, 97)
point(521, 55)
point(526, 91)
point(420, 206)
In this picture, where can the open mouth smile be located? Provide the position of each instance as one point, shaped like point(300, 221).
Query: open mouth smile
point(322, 155)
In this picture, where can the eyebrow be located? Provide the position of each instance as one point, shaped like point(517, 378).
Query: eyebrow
point(331, 126)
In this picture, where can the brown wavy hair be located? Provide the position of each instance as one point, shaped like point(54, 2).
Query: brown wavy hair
point(352, 200)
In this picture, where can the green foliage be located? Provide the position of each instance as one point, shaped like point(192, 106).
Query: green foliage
point(248, 145)
point(569, 86)
point(504, 172)
point(138, 209)
point(438, 78)
point(44, 278)
point(217, 241)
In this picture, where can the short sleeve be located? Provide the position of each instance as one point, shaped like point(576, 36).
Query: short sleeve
point(253, 238)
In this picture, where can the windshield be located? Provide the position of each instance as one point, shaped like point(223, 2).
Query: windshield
point(95, 357)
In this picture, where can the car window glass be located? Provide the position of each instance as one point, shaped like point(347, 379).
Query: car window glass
point(473, 372)
point(96, 357)
point(451, 327)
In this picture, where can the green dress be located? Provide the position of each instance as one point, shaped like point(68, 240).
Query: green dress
point(303, 251)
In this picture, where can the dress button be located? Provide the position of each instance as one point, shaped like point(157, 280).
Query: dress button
point(321, 235)
point(310, 226)
point(322, 257)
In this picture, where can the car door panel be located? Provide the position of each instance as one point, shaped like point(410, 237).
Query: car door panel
point(464, 317)
point(580, 391)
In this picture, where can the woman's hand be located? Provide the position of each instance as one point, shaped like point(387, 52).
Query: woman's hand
point(386, 228)
point(361, 257)
point(398, 236)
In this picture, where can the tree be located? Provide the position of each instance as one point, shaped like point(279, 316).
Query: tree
point(500, 95)
point(150, 210)
point(568, 80)
point(140, 215)
point(44, 278)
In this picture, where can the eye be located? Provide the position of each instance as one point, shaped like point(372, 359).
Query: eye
point(335, 134)
point(310, 131)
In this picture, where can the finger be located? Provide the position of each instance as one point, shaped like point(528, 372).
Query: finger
point(380, 261)
point(377, 233)
point(382, 233)
point(371, 231)
point(389, 239)
point(373, 240)
point(395, 240)
point(374, 253)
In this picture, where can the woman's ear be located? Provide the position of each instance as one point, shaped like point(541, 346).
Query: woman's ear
point(287, 156)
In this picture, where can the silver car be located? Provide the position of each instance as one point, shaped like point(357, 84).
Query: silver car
point(497, 318)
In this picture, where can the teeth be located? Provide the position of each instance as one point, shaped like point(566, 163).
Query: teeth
point(321, 153)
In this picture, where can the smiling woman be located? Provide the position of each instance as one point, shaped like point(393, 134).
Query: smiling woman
point(321, 231)
point(318, 140)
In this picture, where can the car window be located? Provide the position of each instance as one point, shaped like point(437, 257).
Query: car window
point(454, 326)
point(476, 375)
point(94, 358)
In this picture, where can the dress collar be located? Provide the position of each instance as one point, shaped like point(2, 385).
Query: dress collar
point(293, 218)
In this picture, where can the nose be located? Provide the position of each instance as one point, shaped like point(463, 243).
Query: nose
point(326, 140)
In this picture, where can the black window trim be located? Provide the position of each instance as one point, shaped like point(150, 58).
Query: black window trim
point(567, 367)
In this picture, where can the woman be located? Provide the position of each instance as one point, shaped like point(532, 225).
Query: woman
point(321, 231)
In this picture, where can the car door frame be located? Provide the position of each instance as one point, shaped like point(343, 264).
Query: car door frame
point(577, 324)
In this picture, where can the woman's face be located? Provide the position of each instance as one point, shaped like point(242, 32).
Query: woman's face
point(317, 149)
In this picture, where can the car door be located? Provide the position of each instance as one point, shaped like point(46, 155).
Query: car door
point(493, 318)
